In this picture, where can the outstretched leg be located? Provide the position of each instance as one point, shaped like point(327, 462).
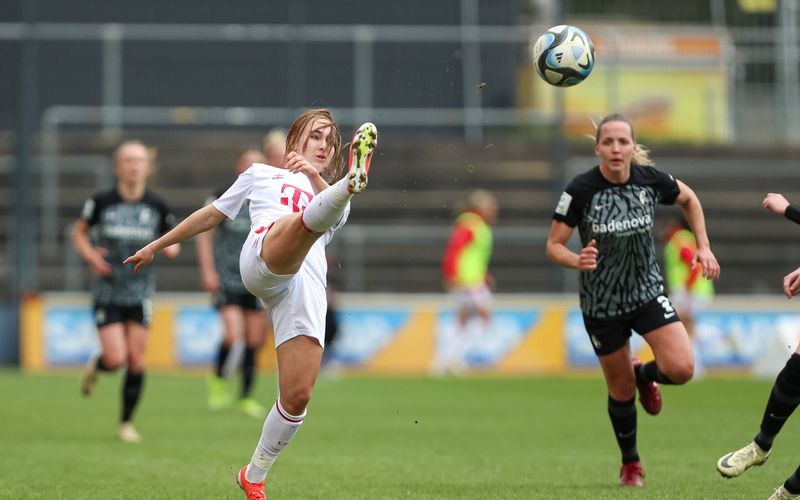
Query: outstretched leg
point(782, 402)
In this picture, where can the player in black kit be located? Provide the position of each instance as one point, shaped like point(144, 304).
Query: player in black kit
point(621, 288)
point(785, 395)
point(113, 224)
point(243, 315)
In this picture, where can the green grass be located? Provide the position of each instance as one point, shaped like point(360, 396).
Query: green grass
point(382, 438)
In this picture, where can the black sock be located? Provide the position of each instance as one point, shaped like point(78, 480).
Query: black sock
point(248, 370)
point(792, 484)
point(222, 356)
point(131, 391)
point(649, 372)
point(623, 420)
point(782, 401)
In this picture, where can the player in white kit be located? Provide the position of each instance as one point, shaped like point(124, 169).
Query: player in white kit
point(294, 213)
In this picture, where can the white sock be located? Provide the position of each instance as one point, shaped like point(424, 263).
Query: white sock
point(279, 428)
point(327, 207)
point(451, 354)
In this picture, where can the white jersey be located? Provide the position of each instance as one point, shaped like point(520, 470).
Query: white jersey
point(274, 192)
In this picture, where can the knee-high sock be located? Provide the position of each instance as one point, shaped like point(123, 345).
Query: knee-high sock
point(623, 420)
point(649, 372)
point(327, 207)
point(279, 429)
point(131, 391)
point(793, 483)
point(222, 356)
point(782, 401)
point(248, 370)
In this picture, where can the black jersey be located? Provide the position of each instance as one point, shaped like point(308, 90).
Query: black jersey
point(229, 237)
point(620, 218)
point(123, 227)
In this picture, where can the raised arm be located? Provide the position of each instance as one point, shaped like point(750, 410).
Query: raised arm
point(693, 212)
point(200, 221)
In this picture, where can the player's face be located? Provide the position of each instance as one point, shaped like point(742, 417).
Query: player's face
point(316, 143)
point(490, 213)
point(615, 146)
point(133, 164)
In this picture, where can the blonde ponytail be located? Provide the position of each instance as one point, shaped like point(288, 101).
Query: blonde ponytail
point(641, 156)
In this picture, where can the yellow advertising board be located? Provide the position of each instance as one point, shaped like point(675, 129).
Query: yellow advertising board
point(674, 86)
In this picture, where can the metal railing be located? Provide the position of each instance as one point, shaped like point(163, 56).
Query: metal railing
point(350, 245)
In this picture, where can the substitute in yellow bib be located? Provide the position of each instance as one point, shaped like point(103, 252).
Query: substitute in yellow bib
point(465, 275)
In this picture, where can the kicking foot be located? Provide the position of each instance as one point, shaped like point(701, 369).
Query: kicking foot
point(649, 393)
point(364, 142)
point(736, 462)
point(254, 491)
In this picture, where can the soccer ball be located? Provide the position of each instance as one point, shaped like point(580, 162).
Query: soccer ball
point(563, 56)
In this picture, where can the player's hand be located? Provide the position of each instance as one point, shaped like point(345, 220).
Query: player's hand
point(98, 263)
point(705, 258)
point(775, 203)
point(141, 258)
point(296, 163)
point(211, 282)
point(587, 258)
point(791, 283)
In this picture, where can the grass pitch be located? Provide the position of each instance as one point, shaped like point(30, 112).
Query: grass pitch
point(382, 438)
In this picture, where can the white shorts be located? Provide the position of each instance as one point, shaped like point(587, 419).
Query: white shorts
point(473, 299)
point(296, 302)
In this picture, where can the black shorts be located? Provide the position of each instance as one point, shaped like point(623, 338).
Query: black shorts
point(246, 301)
point(106, 314)
point(608, 335)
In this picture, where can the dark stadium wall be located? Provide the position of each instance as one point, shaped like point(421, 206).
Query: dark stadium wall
point(9, 338)
point(165, 73)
